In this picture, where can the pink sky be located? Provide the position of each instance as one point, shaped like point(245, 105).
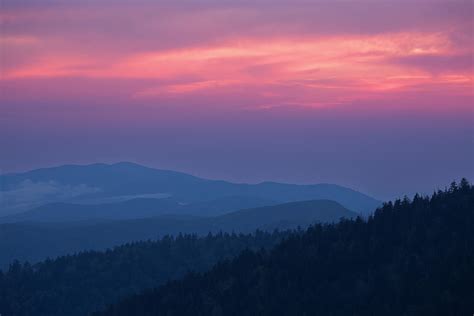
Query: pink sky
point(210, 65)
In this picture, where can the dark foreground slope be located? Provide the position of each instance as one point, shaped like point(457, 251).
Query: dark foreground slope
point(80, 284)
point(410, 258)
point(36, 241)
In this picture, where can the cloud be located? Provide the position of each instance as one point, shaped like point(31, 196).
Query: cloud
point(30, 194)
point(220, 55)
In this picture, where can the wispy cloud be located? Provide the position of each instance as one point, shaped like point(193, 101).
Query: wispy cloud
point(357, 67)
point(30, 194)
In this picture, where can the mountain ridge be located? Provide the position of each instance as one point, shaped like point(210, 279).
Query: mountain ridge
point(80, 183)
point(33, 241)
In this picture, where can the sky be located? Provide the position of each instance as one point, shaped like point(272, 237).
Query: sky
point(374, 95)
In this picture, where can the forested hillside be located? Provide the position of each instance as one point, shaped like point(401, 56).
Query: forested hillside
point(409, 258)
point(82, 283)
point(34, 241)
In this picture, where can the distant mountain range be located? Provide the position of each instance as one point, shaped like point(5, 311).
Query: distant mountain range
point(133, 209)
point(55, 211)
point(33, 241)
point(126, 190)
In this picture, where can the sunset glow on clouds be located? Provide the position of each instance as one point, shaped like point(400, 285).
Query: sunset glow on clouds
point(133, 60)
point(211, 48)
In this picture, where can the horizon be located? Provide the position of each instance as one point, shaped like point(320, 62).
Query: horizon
point(295, 92)
point(383, 199)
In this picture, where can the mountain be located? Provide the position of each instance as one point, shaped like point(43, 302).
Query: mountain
point(283, 216)
point(105, 184)
point(135, 208)
point(33, 241)
point(63, 212)
point(224, 205)
point(410, 258)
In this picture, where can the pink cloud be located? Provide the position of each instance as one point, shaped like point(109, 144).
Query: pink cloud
point(257, 54)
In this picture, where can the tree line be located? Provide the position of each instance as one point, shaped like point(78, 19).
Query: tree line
point(85, 282)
